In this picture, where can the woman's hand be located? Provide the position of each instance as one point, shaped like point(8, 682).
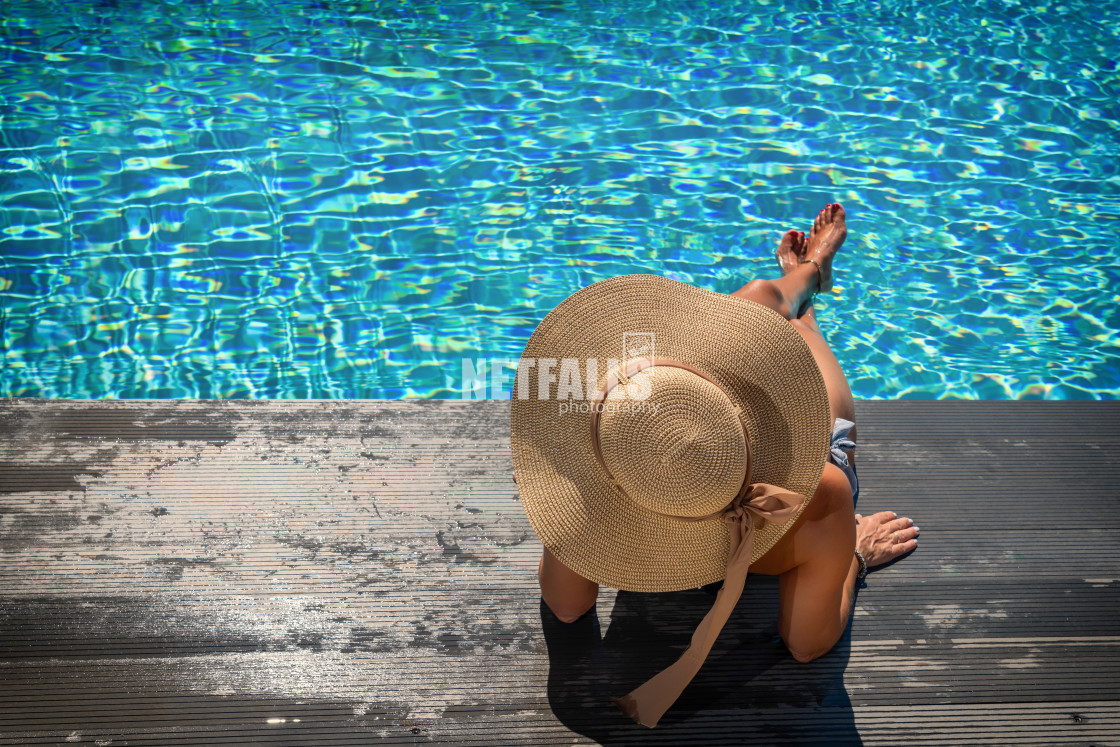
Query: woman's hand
point(884, 536)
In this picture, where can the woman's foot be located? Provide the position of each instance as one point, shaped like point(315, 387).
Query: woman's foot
point(789, 254)
point(790, 251)
point(825, 239)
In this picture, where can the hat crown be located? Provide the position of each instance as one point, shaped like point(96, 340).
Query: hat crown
point(681, 451)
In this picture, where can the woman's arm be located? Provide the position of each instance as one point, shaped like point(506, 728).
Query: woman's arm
point(817, 596)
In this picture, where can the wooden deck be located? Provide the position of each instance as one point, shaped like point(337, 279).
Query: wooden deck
point(361, 572)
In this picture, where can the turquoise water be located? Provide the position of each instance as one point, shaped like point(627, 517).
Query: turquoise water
point(344, 199)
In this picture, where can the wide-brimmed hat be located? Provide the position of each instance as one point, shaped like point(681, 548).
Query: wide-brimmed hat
point(646, 417)
point(680, 451)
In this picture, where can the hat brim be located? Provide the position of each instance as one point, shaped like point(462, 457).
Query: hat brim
point(754, 354)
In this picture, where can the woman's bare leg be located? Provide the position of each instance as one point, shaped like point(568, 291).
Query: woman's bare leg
point(568, 594)
point(788, 296)
point(839, 392)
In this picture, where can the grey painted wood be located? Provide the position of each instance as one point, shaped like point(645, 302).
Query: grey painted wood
point(185, 572)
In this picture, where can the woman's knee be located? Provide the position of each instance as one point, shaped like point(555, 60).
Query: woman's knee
point(804, 656)
point(566, 593)
point(568, 612)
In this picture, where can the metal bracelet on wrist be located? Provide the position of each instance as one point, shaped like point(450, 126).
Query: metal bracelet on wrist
point(862, 566)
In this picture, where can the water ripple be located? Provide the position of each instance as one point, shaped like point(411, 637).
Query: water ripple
point(301, 199)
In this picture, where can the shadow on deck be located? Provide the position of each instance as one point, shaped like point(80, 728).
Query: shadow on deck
point(355, 572)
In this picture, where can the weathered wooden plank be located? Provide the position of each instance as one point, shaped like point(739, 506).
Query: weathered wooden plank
point(325, 723)
point(184, 571)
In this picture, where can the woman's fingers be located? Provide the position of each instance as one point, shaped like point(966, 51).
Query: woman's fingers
point(901, 549)
point(890, 521)
point(905, 535)
point(903, 522)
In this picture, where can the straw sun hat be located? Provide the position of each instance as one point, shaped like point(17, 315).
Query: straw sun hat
point(648, 418)
point(680, 451)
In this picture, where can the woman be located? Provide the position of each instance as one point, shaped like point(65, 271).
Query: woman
point(801, 522)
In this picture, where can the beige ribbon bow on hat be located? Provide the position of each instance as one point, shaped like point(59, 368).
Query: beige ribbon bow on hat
point(648, 702)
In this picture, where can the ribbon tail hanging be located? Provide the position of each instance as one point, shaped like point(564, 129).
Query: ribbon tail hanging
point(648, 702)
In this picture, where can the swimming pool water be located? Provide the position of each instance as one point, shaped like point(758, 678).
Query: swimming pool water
point(298, 199)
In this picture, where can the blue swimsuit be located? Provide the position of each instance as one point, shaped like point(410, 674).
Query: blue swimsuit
point(840, 444)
